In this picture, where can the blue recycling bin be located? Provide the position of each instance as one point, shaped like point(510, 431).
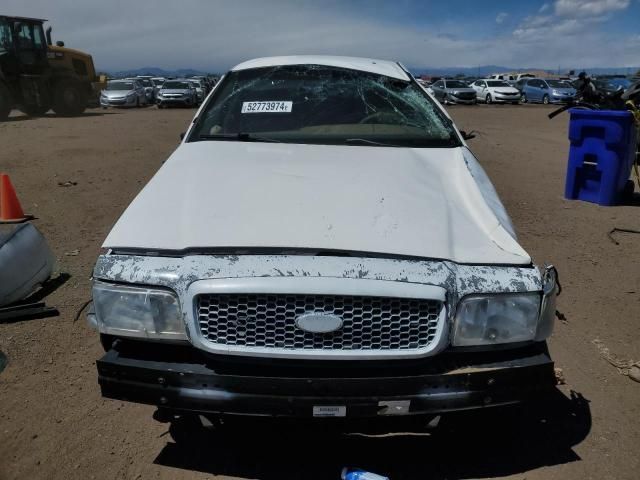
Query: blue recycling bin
point(601, 155)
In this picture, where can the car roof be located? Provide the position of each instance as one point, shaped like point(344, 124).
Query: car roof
point(27, 19)
point(381, 67)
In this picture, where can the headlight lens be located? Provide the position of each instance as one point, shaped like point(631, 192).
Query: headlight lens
point(496, 319)
point(138, 312)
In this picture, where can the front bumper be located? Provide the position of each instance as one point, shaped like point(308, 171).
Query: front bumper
point(185, 379)
point(465, 101)
point(561, 99)
point(173, 101)
point(107, 102)
point(507, 98)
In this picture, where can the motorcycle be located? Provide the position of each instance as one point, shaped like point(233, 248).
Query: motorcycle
point(628, 99)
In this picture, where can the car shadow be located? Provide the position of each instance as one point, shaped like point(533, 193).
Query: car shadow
point(23, 118)
point(480, 444)
point(632, 200)
point(33, 307)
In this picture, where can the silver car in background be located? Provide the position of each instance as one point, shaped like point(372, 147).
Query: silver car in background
point(123, 93)
point(177, 92)
point(148, 87)
point(157, 85)
point(201, 92)
point(453, 91)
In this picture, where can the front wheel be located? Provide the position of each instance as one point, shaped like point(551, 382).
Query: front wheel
point(5, 102)
point(523, 99)
point(488, 100)
point(69, 98)
point(545, 99)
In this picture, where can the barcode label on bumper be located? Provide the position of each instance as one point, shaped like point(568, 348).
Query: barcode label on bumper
point(330, 411)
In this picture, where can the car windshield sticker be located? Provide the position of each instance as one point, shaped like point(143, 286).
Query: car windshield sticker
point(275, 106)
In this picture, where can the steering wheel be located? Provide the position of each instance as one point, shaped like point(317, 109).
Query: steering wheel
point(380, 115)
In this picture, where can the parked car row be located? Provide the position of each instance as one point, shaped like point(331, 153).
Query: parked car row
point(146, 90)
point(492, 90)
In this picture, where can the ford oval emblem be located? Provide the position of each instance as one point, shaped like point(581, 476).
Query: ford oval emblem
point(319, 322)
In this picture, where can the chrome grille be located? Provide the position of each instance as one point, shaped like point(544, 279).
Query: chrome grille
point(269, 321)
point(465, 95)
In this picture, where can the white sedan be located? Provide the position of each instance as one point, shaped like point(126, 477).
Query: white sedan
point(323, 210)
point(496, 91)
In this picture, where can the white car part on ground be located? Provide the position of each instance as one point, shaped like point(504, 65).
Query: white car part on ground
point(26, 261)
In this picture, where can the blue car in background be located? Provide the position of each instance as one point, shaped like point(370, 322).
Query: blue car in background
point(546, 91)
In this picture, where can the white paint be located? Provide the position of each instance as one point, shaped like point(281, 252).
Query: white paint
point(382, 67)
point(308, 285)
point(397, 201)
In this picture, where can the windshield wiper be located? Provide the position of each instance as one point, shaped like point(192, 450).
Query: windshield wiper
point(370, 142)
point(243, 137)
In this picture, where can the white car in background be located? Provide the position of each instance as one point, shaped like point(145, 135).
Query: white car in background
point(331, 248)
point(496, 91)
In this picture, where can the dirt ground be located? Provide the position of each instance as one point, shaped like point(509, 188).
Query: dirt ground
point(54, 424)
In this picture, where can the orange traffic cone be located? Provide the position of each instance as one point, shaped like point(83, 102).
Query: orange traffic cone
point(10, 209)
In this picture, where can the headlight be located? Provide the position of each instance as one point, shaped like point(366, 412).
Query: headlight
point(138, 312)
point(159, 94)
point(130, 95)
point(496, 319)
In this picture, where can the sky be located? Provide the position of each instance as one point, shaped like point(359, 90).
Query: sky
point(214, 35)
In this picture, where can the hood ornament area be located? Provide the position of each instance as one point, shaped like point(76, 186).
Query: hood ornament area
point(319, 322)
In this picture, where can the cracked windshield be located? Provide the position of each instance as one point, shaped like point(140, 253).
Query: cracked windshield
point(314, 104)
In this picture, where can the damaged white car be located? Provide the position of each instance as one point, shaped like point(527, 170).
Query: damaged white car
point(322, 243)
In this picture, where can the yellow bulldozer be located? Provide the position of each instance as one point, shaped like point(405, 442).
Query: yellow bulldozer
point(37, 76)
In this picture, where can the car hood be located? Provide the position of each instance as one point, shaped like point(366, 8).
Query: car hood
point(181, 91)
point(429, 203)
point(117, 93)
point(504, 89)
point(460, 90)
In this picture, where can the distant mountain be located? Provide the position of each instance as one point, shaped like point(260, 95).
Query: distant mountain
point(479, 71)
point(157, 72)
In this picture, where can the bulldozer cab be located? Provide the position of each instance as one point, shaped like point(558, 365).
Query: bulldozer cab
point(23, 46)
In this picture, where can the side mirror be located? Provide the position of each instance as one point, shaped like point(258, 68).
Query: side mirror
point(60, 43)
point(468, 136)
point(182, 135)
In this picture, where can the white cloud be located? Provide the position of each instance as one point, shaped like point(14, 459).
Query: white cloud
point(502, 16)
point(568, 19)
point(589, 8)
